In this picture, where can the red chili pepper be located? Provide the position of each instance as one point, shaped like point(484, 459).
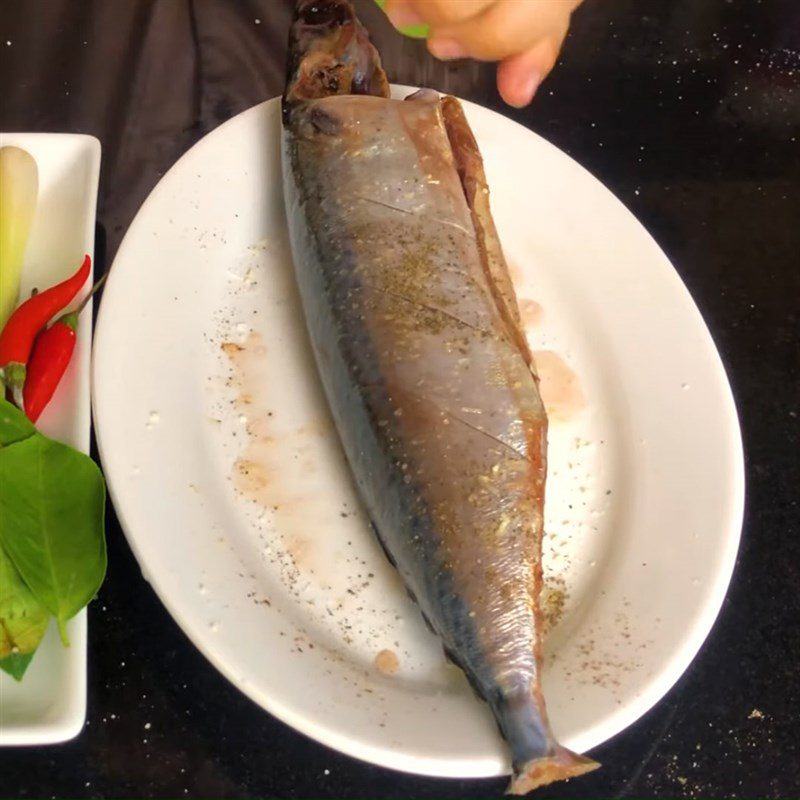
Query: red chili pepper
point(48, 363)
point(20, 331)
point(50, 358)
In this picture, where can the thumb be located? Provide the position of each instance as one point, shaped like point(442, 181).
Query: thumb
point(519, 77)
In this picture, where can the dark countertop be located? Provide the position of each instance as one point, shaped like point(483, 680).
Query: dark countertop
point(690, 112)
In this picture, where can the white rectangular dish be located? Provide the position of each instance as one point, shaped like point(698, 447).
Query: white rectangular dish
point(49, 704)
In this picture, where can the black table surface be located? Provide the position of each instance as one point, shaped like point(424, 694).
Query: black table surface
point(689, 110)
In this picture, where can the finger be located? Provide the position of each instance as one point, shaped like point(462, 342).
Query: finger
point(519, 77)
point(507, 28)
point(402, 13)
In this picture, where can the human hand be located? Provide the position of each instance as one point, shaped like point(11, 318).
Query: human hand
point(525, 36)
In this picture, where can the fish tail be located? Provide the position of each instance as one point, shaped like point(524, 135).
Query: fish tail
point(537, 758)
point(559, 766)
point(330, 53)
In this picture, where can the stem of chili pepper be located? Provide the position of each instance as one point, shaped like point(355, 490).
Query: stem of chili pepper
point(24, 324)
point(92, 292)
point(50, 358)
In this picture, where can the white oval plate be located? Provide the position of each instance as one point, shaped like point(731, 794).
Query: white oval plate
point(230, 486)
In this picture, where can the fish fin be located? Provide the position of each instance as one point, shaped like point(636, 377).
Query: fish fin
point(563, 764)
point(423, 96)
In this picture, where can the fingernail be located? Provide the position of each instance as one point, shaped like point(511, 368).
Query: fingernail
point(446, 49)
point(527, 86)
point(403, 16)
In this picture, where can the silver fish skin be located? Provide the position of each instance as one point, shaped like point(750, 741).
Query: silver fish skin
point(416, 334)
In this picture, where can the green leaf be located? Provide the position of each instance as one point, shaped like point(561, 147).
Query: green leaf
point(16, 664)
point(14, 425)
point(23, 620)
point(52, 510)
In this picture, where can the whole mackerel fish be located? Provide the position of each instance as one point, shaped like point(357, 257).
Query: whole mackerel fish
point(417, 338)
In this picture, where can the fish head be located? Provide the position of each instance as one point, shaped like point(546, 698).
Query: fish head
point(330, 53)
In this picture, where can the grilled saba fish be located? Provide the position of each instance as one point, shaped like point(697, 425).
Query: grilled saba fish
point(417, 338)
